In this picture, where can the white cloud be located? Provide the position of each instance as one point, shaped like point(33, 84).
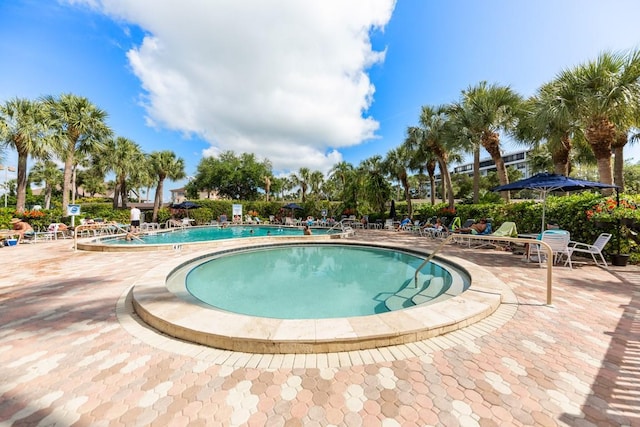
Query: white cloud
point(285, 79)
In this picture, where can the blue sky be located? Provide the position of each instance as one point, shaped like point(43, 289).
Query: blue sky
point(305, 84)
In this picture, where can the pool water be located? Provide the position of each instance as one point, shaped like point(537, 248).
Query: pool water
point(203, 234)
point(307, 281)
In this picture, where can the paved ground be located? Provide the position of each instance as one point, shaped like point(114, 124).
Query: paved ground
point(71, 353)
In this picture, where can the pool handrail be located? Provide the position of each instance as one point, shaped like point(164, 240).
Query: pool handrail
point(542, 244)
point(95, 227)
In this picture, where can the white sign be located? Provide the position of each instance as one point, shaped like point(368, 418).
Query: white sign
point(73, 210)
point(237, 213)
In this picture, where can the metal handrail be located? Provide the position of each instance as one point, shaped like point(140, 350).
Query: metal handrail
point(544, 245)
point(339, 223)
point(98, 227)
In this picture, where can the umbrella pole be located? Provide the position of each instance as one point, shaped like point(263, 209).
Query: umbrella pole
point(544, 208)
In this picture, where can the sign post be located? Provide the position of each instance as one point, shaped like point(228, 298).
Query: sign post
point(73, 211)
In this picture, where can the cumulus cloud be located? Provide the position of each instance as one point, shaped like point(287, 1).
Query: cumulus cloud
point(285, 79)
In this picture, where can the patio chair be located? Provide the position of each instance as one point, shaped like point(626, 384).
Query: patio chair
point(559, 243)
point(594, 249)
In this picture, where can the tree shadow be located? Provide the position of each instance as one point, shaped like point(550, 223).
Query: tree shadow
point(615, 393)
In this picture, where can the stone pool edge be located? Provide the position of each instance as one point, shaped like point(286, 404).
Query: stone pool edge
point(179, 318)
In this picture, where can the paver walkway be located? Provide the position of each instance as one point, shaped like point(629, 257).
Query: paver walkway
point(70, 355)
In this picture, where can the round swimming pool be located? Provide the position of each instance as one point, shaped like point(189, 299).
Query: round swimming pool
point(410, 313)
point(317, 281)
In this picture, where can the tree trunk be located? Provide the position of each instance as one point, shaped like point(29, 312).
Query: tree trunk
point(66, 184)
point(21, 191)
point(116, 195)
point(618, 159)
point(476, 175)
point(47, 196)
point(157, 200)
point(491, 143)
point(560, 156)
point(432, 181)
point(618, 167)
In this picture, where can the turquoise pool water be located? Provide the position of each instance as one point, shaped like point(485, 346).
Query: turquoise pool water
point(310, 281)
point(202, 234)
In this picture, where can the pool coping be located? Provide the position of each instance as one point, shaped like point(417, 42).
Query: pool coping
point(180, 318)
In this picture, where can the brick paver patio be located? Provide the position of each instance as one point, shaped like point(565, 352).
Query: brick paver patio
point(72, 353)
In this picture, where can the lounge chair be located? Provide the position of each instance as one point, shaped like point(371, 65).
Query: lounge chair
point(595, 249)
point(506, 229)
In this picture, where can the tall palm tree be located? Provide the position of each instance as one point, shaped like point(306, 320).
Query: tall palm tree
point(546, 117)
point(123, 157)
point(376, 188)
point(460, 129)
point(22, 128)
point(396, 164)
point(603, 95)
point(436, 137)
point(341, 171)
point(302, 179)
point(49, 173)
point(79, 127)
point(165, 165)
point(316, 179)
point(492, 109)
point(267, 186)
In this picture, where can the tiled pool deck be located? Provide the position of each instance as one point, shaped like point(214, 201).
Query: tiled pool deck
point(71, 353)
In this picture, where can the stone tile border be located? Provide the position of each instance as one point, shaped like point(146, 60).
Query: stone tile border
point(487, 298)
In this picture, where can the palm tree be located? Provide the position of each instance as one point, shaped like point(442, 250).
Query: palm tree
point(123, 157)
point(302, 179)
point(437, 137)
point(48, 172)
point(396, 165)
point(546, 117)
point(492, 109)
point(603, 95)
point(22, 128)
point(79, 127)
point(341, 172)
point(376, 188)
point(460, 129)
point(316, 179)
point(164, 164)
point(267, 186)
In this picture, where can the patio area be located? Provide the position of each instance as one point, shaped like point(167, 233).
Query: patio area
point(73, 353)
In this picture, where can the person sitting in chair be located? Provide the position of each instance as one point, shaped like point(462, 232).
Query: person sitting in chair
point(406, 221)
point(21, 228)
point(438, 227)
point(475, 228)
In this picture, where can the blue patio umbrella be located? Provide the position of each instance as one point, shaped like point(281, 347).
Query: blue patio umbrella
point(546, 183)
point(292, 206)
point(186, 205)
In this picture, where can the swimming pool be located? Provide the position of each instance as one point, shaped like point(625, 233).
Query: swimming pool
point(319, 281)
point(203, 236)
point(161, 300)
point(207, 233)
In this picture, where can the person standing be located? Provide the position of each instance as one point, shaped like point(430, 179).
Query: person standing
point(135, 219)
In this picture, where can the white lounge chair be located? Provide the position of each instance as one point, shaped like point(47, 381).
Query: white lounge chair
point(595, 249)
